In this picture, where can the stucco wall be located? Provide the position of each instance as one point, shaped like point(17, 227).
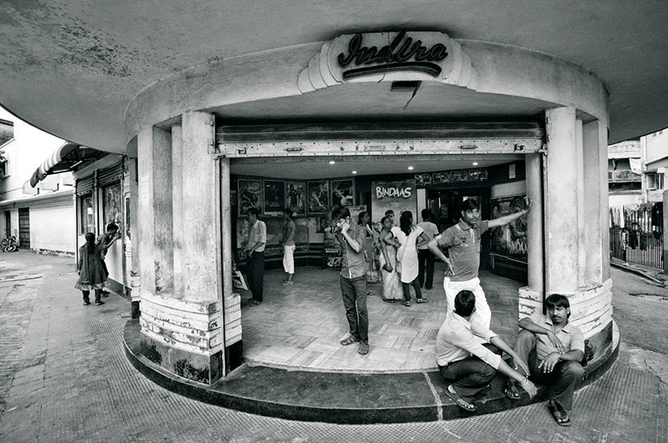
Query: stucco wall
point(53, 227)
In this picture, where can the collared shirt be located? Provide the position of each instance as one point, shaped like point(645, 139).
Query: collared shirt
point(431, 231)
point(570, 336)
point(257, 234)
point(456, 341)
point(353, 264)
point(463, 243)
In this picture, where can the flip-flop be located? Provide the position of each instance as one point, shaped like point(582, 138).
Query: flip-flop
point(406, 303)
point(389, 300)
point(511, 391)
point(468, 407)
point(557, 415)
point(422, 300)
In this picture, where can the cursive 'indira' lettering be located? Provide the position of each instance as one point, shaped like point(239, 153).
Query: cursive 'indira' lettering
point(400, 50)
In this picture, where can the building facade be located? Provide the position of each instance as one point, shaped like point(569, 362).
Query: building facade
point(410, 107)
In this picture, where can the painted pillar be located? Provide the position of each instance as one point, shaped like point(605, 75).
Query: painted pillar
point(579, 162)
point(135, 273)
point(596, 233)
point(162, 203)
point(146, 227)
point(177, 202)
point(182, 321)
point(531, 297)
point(232, 301)
point(561, 199)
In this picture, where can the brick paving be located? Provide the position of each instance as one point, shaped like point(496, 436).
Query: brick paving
point(64, 378)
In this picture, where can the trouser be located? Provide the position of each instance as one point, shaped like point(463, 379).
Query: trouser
point(353, 291)
point(86, 295)
point(255, 274)
point(407, 289)
point(560, 382)
point(482, 311)
point(469, 376)
point(289, 259)
point(426, 264)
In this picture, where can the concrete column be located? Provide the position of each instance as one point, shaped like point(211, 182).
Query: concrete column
point(162, 204)
point(535, 255)
point(135, 274)
point(579, 162)
point(155, 219)
point(177, 205)
point(595, 183)
point(561, 217)
point(199, 209)
point(146, 227)
point(665, 231)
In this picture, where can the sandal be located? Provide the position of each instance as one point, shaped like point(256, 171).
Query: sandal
point(468, 407)
point(406, 303)
point(560, 416)
point(349, 341)
point(422, 300)
point(389, 300)
point(511, 391)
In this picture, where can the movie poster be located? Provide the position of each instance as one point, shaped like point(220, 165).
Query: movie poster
point(398, 196)
point(510, 240)
point(250, 195)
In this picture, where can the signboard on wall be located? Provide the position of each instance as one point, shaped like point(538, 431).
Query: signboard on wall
point(399, 196)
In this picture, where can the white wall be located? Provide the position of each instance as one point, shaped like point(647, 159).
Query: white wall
point(624, 199)
point(53, 227)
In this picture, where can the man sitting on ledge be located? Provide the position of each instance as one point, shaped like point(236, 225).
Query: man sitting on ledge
point(464, 362)
point(552, 348)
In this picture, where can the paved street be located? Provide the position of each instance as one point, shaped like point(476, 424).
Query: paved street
point(64, 378)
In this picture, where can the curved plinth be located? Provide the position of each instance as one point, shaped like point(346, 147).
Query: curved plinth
point(340, 397)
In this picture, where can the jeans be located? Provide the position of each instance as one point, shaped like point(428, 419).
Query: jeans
point(469, 376)
point(353, 291)
point(407, 289)
point(426, 263)
point(560, 382)
point(255, 274)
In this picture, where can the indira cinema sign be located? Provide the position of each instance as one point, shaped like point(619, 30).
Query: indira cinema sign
point(402, 54)
point(388, 56)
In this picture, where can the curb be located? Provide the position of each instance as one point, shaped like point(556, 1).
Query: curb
point(334, 397)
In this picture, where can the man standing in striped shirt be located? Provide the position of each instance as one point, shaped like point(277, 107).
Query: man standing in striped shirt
point(463, 243)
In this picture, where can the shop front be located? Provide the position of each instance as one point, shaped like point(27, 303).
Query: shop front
point(377, 121)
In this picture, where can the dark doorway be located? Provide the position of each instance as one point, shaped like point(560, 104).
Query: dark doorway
point(445, 205)
point(24, 228)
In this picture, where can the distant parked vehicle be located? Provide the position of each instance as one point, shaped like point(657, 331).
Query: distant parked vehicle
point(9, 244)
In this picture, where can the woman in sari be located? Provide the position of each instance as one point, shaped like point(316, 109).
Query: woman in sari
point(392, 290)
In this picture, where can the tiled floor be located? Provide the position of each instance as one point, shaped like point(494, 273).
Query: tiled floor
point(300, 325)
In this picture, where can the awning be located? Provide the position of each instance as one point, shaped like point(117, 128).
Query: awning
point(66, 158)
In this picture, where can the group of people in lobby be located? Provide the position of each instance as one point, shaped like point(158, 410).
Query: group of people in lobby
point(548, 350)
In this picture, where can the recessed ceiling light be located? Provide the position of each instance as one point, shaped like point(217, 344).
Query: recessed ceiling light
point(331, 162)
point(475, 163)
point(410, 168)
point(354, 172)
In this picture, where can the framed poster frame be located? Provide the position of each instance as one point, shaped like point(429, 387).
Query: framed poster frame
point(295, 197)
point(274, 197)
point(250, 195)
point(344, 191)
point(318, 197)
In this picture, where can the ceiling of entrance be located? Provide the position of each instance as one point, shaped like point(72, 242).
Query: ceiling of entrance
point(300, 168)
point(72, 67)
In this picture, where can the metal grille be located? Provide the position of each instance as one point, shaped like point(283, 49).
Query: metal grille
point(636, 234)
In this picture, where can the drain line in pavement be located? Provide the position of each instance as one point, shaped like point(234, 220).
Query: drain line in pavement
point(437, 398)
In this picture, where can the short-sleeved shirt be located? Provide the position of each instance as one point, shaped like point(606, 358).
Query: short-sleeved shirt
point(430, 229)
point(456, 340)
point(463, 243)
point(353, 264)
point(290, 229)
point(571, 336)
point(258, 233)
